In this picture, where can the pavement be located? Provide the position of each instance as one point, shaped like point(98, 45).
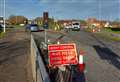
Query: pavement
point(102, 57)
point(14, 57)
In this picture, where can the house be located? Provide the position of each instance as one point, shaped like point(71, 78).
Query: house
point(96, 23)
point(115, 24)
point(38, 20)
point(64, 22)
point(107, 24)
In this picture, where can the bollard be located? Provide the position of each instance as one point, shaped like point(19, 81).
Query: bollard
point(81, 64)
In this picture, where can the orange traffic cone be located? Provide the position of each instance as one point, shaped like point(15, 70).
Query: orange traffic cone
point(93, 30)
point(81, 64)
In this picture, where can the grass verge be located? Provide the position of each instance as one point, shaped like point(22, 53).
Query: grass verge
point(111, 31)
point(2, 34)
point(108, 36)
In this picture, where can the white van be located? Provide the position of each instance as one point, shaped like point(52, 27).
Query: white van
point(76, 26)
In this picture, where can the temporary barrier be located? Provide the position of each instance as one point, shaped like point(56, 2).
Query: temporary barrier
point(63, 76)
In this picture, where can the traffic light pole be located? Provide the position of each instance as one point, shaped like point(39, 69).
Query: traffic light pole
point(45, 35)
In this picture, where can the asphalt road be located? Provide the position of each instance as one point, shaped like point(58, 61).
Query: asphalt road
point(102, 57)
point(14, 57)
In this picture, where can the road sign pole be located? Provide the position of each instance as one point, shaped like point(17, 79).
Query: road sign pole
point(45, 35)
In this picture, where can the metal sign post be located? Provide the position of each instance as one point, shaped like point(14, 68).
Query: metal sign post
point(45, 27)
point(45, 35)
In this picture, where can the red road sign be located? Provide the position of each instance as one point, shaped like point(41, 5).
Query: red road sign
point(62, 54)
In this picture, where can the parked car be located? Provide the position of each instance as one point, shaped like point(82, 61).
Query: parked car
point(1, 28)
point(32, 27)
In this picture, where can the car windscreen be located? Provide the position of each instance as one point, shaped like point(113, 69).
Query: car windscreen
point(34, 25)
point(75, 23)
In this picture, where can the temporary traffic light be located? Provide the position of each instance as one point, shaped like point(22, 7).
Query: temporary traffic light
point(45, 25)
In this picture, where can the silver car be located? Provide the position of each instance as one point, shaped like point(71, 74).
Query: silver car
point(32, 27)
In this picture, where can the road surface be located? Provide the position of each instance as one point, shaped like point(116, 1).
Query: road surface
point(102, 57)
point(14, 57)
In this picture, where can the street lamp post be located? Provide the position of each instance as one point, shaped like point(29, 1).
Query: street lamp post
point(4, 14)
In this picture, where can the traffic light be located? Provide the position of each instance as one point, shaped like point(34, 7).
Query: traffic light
point(45, 25)
point(45, 20)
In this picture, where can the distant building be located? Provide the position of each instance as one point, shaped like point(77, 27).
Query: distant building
point(96, 23)
point(29, 21)
point(38, 20)
point(107, 24)
point(91, 20)
point(64, 22)
point(115, 24)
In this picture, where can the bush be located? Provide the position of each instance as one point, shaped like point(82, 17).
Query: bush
point(2, 34)
point(115, 29)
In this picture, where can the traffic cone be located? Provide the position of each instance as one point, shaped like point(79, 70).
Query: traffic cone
point(81, 64)
point(93, 30)
point(99, 30)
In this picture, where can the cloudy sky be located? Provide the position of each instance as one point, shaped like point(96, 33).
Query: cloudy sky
point(63, 9)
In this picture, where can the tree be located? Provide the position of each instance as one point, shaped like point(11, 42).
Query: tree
point(83, 22)
point(15, 20)
point(38, 20)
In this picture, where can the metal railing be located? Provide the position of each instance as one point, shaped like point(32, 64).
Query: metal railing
point(38, 68)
